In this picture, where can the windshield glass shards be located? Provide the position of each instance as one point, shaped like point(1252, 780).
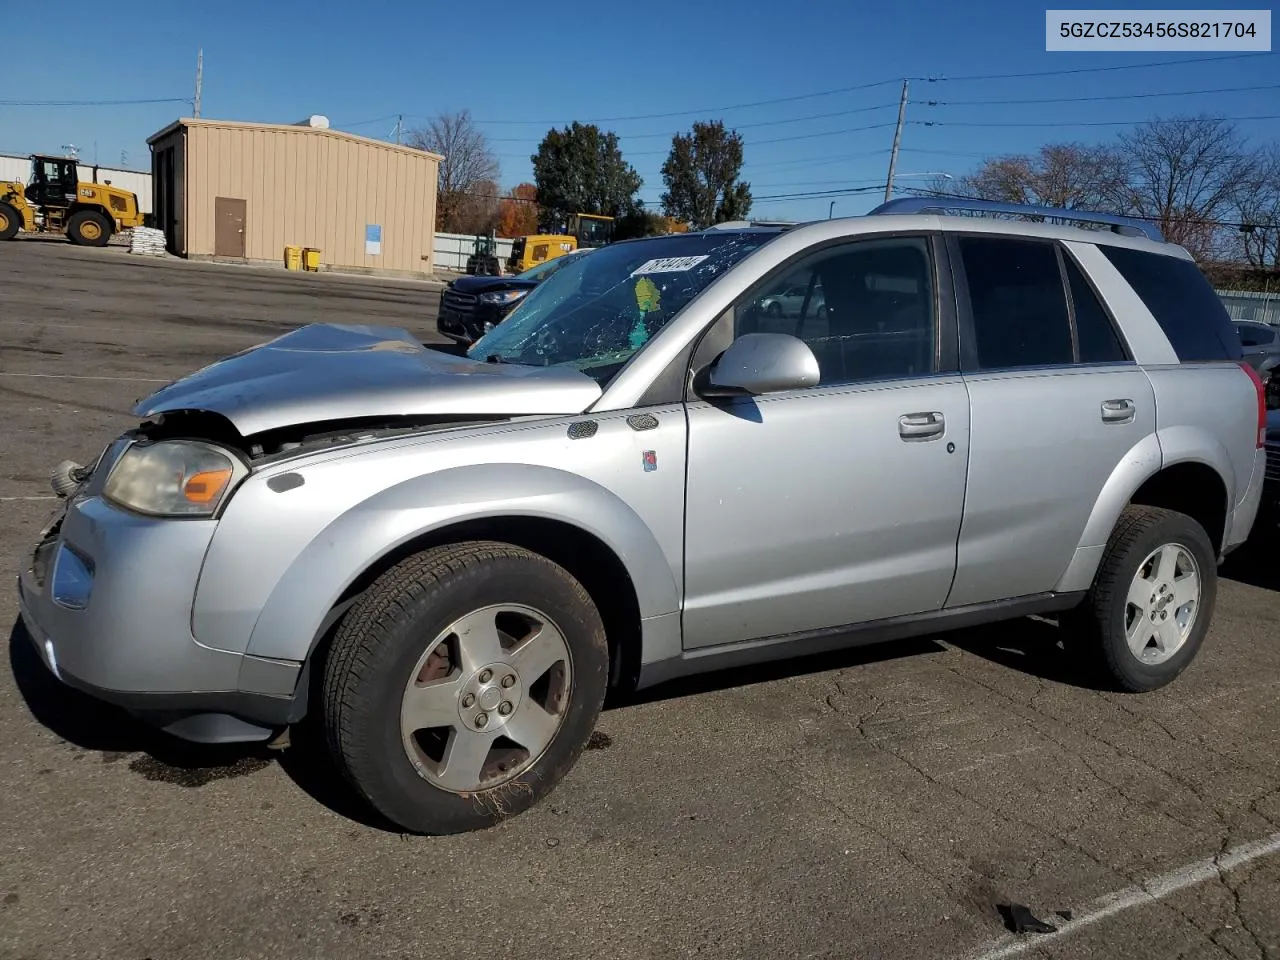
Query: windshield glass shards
point(596, 312)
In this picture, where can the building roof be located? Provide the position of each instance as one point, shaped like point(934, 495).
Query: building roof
point(290, 128)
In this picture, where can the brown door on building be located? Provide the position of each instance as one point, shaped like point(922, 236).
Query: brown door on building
point(228, 227)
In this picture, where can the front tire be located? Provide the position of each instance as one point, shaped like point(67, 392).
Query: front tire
point(88, 229)
point(1147, 613)
point(10, 222)
point(463, 686)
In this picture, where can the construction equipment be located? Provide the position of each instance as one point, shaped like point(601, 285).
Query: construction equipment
point(558, 236)
point(484, 261)
point(56, 200)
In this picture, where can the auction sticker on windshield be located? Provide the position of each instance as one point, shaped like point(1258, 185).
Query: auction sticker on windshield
point(668, 265)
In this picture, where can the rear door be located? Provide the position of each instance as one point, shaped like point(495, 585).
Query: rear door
point(1056, 404)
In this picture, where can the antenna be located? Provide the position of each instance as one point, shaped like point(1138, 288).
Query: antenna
point(199, 80)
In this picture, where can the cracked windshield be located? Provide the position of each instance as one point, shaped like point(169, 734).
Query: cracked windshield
point(595, 313)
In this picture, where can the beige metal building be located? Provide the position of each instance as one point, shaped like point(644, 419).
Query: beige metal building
point(245, 191)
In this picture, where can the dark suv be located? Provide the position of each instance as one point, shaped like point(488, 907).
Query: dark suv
point(473, 305)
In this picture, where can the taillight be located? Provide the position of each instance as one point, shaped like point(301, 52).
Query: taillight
point(1261, 389)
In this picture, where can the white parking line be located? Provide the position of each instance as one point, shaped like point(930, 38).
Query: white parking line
point(7, 499)
point(192, 328)
point(72, 376)
point(1149, 892)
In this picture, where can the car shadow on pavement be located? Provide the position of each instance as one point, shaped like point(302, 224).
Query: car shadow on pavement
point(1257, 564)
point(1030, 645)
point(93, 725)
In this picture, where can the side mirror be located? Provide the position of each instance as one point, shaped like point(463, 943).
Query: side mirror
point(758, 363)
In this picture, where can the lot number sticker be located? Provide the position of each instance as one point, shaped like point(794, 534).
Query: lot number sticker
point(668, 265)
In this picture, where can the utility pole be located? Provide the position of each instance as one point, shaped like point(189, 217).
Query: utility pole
point(399, 127)
point(199, 80)
point(897, 139)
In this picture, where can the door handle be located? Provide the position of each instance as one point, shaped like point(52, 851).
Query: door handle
point(1118, 411)
point(921, 426)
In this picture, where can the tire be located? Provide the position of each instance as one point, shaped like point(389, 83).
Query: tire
point(774, 310)
point(10, 222)
point(88, 229)
point(1097, 630)
point(402, 632)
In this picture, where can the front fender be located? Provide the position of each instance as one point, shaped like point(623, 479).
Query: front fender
point(289, 623)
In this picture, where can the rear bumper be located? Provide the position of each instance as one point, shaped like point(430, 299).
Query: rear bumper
point(106, 599)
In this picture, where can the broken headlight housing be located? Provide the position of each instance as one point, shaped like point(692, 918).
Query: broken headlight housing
point(174, 478)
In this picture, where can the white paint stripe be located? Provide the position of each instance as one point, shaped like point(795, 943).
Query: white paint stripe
point(6, 499)
point(71, 376)
point(191, 329)
point(1149, 892)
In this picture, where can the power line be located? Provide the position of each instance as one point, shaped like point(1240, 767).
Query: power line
point(1078, 70)
point(1115, 96)
point(1079, 123)
point(741, 126)
point(90, 103)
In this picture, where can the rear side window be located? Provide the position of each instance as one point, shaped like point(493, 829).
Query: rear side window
point(1182, 301)
point(1096, 335)
point(1019, 307)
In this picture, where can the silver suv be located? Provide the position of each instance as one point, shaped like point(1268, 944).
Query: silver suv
point(446, 561)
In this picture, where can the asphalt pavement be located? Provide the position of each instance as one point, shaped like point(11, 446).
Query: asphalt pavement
point(888, 803)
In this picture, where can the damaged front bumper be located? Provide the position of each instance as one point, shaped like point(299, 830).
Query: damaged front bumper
point(106, 600)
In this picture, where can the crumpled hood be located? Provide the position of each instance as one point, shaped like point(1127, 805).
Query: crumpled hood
point(340, 372)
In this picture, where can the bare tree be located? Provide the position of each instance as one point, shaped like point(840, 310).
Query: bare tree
point(1068, 175)
point(1256, 202)
point(477, 211)
point(1183, 175)
point(467, 162)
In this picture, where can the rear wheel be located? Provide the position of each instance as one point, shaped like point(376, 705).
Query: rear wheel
point(1148, 610)
point(88, 229)
point(464, 685)
point(10, 222)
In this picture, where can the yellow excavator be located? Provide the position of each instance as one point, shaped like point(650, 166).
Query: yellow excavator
point(578, 231)
point(56, 200)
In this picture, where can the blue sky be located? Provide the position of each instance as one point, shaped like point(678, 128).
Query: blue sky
point(361, 65)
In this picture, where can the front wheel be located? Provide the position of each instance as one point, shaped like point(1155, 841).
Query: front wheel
point(10, 222)
point(1148, 611)
point(464, 685)
point(88, 229)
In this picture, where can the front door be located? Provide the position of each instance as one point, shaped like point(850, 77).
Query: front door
point(838, 504)
point(228, 229)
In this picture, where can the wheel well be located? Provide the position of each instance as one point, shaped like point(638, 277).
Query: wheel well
point(594, 565)
point(1193, 489)
point(92, 208)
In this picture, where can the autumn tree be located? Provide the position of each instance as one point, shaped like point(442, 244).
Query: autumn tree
point(701, 173)
point(518, 211)
point(580, 169)
point(468, 162)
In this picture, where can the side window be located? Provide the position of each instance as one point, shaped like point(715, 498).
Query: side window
point(865, 308)
point(1095, 333)
point(1019, 306)
point(1183, 302)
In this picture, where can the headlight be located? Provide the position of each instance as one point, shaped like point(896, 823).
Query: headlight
point(502, 296)
point(174, 478)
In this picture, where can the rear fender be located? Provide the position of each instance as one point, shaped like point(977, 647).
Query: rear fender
point(290, 623)
point(1155, 452)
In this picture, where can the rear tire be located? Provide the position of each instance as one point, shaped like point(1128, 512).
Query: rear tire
point(1148, 610)
point(10, 222)
point(88, 229)
point(464, 685)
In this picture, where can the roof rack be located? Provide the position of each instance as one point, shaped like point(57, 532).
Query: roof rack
point(1126, 226)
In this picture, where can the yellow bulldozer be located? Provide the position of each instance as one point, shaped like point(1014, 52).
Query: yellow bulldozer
point(578, 231)
point(56, 200)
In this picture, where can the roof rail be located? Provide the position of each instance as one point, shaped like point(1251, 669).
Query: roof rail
point(748, 224)
point(1126, 226)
